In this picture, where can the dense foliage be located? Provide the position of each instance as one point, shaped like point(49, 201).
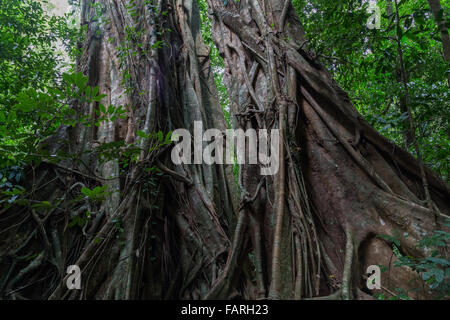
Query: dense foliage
point(32, 59)
point(366, 63)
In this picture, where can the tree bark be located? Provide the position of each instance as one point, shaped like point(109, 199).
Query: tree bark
point(332, 173)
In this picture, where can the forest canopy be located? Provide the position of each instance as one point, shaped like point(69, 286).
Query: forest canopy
point(363, 61)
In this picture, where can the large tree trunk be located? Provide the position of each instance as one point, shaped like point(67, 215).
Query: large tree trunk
point(343, 183)
point(154, 236)
point(192, 232)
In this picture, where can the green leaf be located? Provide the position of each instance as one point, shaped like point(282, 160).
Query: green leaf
point(26, 104)
point(43, 204)
point(80, 80)
point(142, 134)
point(439, 261)
point(160, 136)
point(169, 137)
point(410, 36)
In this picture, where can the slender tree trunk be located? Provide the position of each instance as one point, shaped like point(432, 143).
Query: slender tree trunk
point(439, 15)
point(441, 20)
point(410, 136)
point(188, 232)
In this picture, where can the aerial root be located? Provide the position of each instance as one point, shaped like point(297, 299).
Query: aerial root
point(346, 290)
point(348, 266)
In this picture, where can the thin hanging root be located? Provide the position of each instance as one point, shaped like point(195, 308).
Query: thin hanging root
point(412, 127)
point(34, 264)
point(303, 213)
point(345, 292)
point(328, 263)
point(284, 15)
point(248, 81)
point(299, 277)
point(347, 277)
point(307, 275)
point(276, 266)
point(258, 257)
point(92, 249)
point(174, 174)
point(222, 285)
